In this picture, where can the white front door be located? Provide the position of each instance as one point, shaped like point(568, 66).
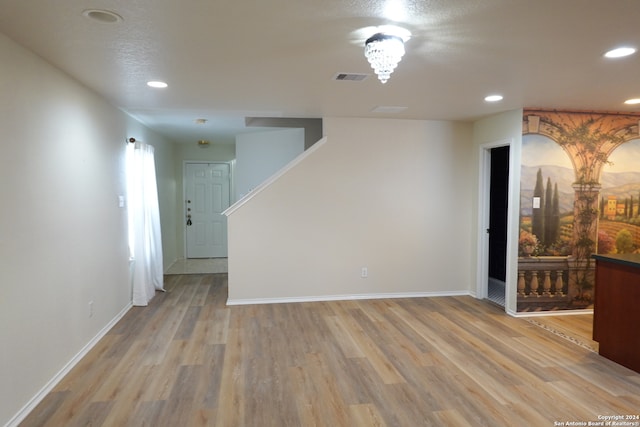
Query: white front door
point(206, 197)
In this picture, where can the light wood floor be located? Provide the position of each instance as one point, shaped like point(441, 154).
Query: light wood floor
point(188, 360)
point(575, 327)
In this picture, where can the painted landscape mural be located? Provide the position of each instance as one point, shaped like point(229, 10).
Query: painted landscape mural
point(579, 195)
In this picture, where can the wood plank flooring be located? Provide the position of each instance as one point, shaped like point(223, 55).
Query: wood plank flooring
point(574, 327)
point(189, 360)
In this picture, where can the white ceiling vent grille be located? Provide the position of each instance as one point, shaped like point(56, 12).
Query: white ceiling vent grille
point(354, 77)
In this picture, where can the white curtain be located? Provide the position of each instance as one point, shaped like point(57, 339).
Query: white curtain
point(145, 242)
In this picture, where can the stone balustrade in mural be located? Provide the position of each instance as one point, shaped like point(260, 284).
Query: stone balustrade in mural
point(543, 283)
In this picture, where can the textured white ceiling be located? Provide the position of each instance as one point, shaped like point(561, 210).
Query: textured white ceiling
point(227, 59)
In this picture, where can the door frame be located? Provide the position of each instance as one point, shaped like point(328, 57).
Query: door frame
point(484, 179)
point(182, 214)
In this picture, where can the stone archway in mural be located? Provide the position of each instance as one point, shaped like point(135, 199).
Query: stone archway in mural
point(588, 139)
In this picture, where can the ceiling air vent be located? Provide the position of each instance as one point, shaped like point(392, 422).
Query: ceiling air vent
point(351, 77)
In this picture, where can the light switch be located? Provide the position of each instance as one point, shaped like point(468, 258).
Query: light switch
point(536, 203)
point(121, 201)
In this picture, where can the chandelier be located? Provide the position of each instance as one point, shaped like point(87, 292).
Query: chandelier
point(384, 52)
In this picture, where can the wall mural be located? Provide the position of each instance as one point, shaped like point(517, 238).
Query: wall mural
point(579, 195)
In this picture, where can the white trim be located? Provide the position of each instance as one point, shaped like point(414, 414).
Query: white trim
point(484, 170)
point(482, 281)
point(35, 400)
point(293, 163)
point(513, 226)
point(551, 313)
point(345, 297)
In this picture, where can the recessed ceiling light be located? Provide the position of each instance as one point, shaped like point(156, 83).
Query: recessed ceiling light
point(632, 101)
point(157, 84)
point(102, 15)
point(620, 52)
point(493, 98)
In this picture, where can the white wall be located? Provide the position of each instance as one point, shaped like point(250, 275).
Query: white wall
point(503, 127)
point(63, 238)
point(261, 154)
point(390, 195)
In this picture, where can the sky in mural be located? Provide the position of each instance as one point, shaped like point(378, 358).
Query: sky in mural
point(538, 150)
point(625, 158)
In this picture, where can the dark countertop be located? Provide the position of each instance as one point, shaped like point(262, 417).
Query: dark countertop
point(632, 260)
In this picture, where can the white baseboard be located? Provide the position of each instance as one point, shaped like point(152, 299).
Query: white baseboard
point(552, 313)
point(35, 400)
point(511, 313)
point(250, 301)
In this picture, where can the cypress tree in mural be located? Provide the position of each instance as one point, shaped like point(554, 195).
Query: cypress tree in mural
point(537, 215)
point(548, 214)
point(555, 215)
point(626, 208)
point(602, 207)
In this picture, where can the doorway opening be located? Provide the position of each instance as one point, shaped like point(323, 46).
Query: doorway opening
point(498, 210)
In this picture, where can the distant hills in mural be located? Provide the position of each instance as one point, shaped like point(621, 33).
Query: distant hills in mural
point(621, 185)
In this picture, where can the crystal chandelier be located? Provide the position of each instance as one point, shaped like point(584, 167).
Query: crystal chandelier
point(384, 52)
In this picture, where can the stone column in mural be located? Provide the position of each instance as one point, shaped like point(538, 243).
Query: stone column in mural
point(589, 147)
point(585, 238)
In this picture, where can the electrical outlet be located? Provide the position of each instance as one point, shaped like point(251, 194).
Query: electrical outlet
point(90, 308)
point(364, 273)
